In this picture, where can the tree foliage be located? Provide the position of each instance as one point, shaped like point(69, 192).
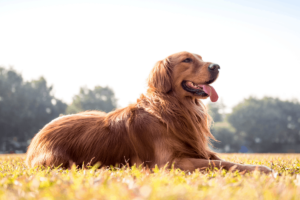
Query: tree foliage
point(25, 107)
point(268, 124)
point(214, 110)
point(228, 141)
point(100, 98)
point(222, 130)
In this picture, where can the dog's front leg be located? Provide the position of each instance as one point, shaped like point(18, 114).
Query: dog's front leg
point(213, 156)
point(190, 164)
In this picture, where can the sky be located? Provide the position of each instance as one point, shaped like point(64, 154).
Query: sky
point(116, 43)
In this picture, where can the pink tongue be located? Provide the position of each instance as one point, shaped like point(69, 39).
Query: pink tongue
point(211, 92)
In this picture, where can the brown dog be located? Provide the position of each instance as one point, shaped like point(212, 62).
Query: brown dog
point(167, 125)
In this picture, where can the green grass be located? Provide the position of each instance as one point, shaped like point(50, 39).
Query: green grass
point(19, 182)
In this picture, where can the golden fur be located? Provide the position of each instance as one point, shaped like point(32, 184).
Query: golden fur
point(166, 125)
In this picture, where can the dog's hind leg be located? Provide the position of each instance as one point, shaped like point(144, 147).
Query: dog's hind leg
point(51, 159)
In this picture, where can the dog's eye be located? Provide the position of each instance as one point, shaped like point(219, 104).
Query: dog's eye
point(187, 60)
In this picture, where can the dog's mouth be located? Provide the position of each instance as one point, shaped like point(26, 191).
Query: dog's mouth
point(202, 90)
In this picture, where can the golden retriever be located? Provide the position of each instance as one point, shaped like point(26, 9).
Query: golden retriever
point(167, 125)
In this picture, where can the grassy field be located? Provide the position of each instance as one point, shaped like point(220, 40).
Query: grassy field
point(19, 182)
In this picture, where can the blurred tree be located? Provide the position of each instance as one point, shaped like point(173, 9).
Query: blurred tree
point(101, 98)
point(215, 111)
point(268, 124)
point(228, 141)
point(25, 107)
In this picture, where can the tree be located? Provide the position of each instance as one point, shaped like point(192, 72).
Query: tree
point(25, 107)
point(228, 141)
point(101, 98)
point(215, 111)
point(222, 130)
point(268, 124)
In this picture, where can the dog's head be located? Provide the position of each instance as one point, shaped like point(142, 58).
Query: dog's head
point(185, 74)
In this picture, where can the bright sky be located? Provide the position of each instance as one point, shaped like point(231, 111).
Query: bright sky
point(116, 43)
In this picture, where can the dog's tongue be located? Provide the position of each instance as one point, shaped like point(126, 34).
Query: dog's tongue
point(211, 92)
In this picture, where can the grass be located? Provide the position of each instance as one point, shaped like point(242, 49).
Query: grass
point(19, 182)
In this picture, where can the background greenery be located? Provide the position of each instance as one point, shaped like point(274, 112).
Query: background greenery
point(26, 106)
point(258, 125)
point(254, 125)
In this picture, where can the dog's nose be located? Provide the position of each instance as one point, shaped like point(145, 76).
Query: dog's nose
point(214, 67)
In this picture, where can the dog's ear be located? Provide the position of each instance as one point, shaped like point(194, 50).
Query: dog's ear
point(160, 77)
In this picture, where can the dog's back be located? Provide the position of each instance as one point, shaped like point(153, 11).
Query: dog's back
point(81, 138)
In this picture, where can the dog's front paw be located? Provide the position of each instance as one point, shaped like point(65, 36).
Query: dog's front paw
point(261, 168)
